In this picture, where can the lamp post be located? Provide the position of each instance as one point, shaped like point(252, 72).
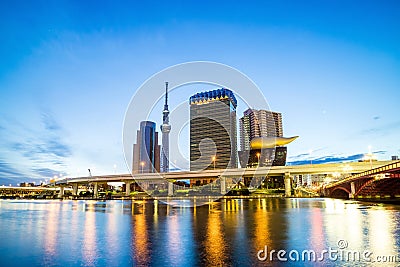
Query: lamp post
point(310, 156)
point(214, 158)
point(142, 165)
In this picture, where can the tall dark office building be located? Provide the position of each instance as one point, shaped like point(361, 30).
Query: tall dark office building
point(257, 123)
point(264, 124)
point(213, 130)
point(146, 151)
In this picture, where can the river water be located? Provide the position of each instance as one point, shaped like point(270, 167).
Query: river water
point(231, 232)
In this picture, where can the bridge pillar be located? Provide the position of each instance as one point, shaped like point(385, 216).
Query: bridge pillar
point(61, 193)
point(288, 185)
point(223, 185)
point(324, 192)
point(170, 189)
point(352, 190)
point(75, 189)
point(128, 188)
point(96, 190)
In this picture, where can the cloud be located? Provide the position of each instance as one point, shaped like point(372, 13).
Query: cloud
point(383, 130)
point(40, 152)
point(333, 159)
point(7, 171)
point(58, 148)
point(8, 181)
point(48, 144)
point(329, 159)
point(306, 155)
point(46, 172)
point(300, 156)
point(36, 150)
point(49, 122)
point(10, 175)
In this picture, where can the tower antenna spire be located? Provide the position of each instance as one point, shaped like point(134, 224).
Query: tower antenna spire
point(166, 96)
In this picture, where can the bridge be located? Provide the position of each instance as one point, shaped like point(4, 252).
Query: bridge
point(24, 191)
point(222, 180)
point(376, 183)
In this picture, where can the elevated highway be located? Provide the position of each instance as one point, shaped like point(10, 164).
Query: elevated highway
point(226, 178)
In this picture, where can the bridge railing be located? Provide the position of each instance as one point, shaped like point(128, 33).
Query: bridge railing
point(388, 167)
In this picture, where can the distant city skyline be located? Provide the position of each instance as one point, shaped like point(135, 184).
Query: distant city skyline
point(69, 69)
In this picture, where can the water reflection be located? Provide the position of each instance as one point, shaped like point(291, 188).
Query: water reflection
point(381, 232)
point(262, 224)
point(344, 220)
point(214, 243)
point(51, 230)
point(140, 238)
point(317, 242)
point(89, 249)
point(229, 232)
point(112, 229)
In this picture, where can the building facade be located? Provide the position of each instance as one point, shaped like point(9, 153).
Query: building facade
point(213, 135)
point(257, 123)
point(146, 151)
point(264, 124)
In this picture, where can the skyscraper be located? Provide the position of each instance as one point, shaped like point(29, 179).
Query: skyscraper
point(165, 129)
point(257, 123)
point(146, 151)
point(261, 139)
point(213, 130)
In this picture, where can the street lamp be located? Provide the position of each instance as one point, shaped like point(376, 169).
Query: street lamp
point(214, 158)
point(142, 164)
point(311, 156)
point(258, 157)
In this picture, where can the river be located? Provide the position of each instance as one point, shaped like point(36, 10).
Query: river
point(230, 232)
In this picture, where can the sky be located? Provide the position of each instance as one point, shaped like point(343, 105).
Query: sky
point(69, 69)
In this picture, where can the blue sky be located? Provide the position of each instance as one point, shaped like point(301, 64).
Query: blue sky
point(68, 70)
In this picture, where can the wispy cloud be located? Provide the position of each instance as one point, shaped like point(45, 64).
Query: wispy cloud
point(299, 156)
point(42, 150)
point(6, 170)
point(332, 159)
point(49, 122)
point(382, 130)
point(329, 159)
point(36, 149)
point(46, 172)
point(10, 175)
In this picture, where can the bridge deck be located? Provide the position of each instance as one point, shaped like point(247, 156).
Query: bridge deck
point(392, 167)
point(350, 167)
